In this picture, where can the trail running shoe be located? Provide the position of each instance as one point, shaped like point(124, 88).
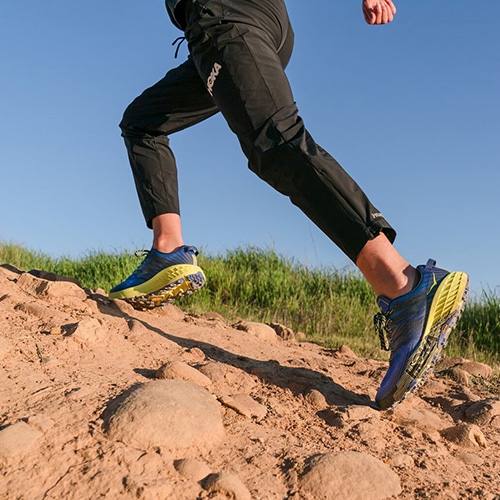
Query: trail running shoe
point(415, 328)
point(160, 278)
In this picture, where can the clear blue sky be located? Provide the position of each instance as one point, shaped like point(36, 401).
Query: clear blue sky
point(411, 110)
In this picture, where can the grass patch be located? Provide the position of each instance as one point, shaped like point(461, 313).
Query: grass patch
point(329, 306)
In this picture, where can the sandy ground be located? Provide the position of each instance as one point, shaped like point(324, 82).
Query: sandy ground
point(98, 400)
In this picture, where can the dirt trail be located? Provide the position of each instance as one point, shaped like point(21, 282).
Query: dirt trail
point(98, 400)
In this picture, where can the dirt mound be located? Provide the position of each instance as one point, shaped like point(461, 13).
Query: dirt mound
point(100, 400)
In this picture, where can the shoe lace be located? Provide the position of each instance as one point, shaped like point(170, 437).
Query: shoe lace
point(142, 265)
point(382, 324)
point(141, 253)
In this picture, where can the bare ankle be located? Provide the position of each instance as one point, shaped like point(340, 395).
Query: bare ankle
point(385, 269)
point(167, 233)
point(167, 246)
point(410, 280)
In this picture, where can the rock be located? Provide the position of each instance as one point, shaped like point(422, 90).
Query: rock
point(467, 395)
point(467, 435)
point(477, 369)
point(447, 362)
point(134, 331)
point(259, 330)
point(177, 370)
point(361, 412)
point(483, 413)
point(401, 460)
point(316, 399)
point(346, 351)
point(172, 414)
point(346, 416)
point(369, 431)
point(17, 438)
point(192, 469)
point(124, 307)
point(194, 354)
point(88, 331)
point(32, 285)
point(64, 290)
point(213, 370)
point(214, 316)
point(423, 420)
point(282, 331)
point(470, 459)
point(456, 367)
point(227, 484)
point(300, 336)
point(171, 312)
point(459, 375)
point(349, 475)
point(495, 422)
point(245, 405)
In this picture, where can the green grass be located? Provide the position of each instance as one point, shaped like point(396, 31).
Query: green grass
point(331, 307)
point(478, 331)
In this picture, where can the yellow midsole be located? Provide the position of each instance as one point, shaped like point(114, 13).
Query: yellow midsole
point(448, 298)
point(157, 282)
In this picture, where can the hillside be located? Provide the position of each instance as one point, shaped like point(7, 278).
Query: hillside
point(98, 400)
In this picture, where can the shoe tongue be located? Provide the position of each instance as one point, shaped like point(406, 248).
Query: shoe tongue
point(383, 302)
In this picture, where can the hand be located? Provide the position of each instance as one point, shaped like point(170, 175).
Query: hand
point(378, 11)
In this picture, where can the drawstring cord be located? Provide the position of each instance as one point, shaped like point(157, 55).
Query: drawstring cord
point(178, 41)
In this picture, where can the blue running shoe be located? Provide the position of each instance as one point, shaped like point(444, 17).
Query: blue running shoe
point(160, 278)
point(415, 328)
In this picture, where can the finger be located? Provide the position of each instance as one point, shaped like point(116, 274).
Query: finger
point(391, 5)
point(385, 14)
point(391, 10)
point(377, 13)
point(369, 15)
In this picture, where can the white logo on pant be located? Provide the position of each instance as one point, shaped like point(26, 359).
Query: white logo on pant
point(212, 77)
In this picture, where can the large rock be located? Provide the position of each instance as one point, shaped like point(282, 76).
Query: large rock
point(171, 414)
point(259, 330)
point(466, 435)
point(349, 475)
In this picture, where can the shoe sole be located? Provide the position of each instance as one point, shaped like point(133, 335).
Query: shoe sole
point(164, 287)
point(446, 308)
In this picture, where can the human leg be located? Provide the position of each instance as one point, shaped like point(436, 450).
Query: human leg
point(178, 101)
point(420, 305)
point(244, 69)
point(170, 268)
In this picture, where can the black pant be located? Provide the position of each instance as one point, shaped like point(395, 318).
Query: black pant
point(238, 52)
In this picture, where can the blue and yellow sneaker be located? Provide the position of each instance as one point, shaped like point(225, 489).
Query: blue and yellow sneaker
point(415, 328)
point(160, 278)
